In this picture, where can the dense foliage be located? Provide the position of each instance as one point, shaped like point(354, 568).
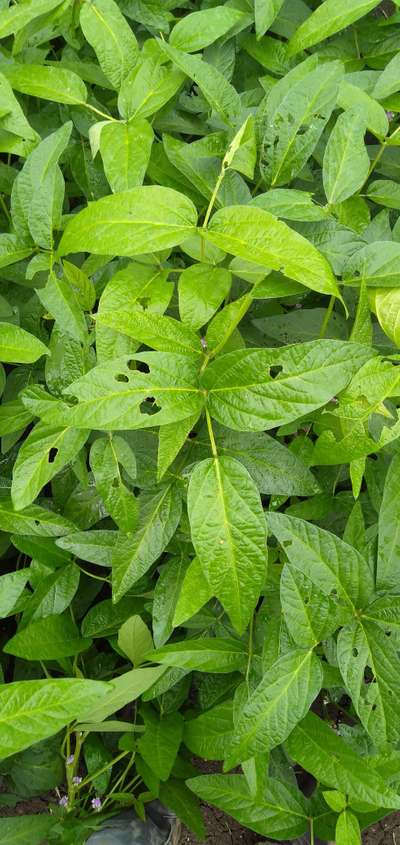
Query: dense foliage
point(200, 460)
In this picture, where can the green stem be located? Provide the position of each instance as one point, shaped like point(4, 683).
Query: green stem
point(103, 769)
point(211, 435)
point(250, 653)
point(214, 196)
point(311, 831)
point(327, 317)
point(385, 143)
point(120, 780)
point(99, 112)
point(5, 209)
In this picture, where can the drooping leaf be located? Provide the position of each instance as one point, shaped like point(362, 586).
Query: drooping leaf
point(19, 346)
point(111, 37)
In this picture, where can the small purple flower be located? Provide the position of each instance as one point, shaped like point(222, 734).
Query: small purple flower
point(63, 802)
point(70, 760)
point(298, 305)
point(390, 115)
point(76, 780)
point(96, 804)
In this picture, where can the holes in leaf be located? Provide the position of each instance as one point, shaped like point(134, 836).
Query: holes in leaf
point(275, 371)
point(52, 454)
point(388, 633)
point(143, 367)
point(121, 377)
point(286, 543)
point(115, 482)
point(355, 652)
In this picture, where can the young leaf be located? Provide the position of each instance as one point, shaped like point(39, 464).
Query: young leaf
point(256, 235)
point(204, 655)
point(18, 346)
point(280, 811)
point(244, 396)
point(47, 639)
point(111, 37)
point(160, 742)
point(199, 29)
point(330, 17)
point(346, 161)
point(47, 83)
point(314, 745)
point(134, 639)
point(120, 502)
point(33, 710)
point(221, 96)
point(265, 12)
point(60, 301)
point(388, 561)
point(347, 829)
point(195, 592)
point(159, 515)
point(42, 455)
point(228, 533)
point(144, 219)
point(202, 289)
point(278, 703)
point(125, 150)
point(332, 565)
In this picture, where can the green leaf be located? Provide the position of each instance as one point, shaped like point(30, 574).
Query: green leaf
point(13, 119)
point(386, 306)
point(125, 150)
point(281, 699)
point(12, 586)
point(221, 96)
point(195, 593)
point(274, 468)
point(388, 80)
point(147, 88)
point(135, 640)
point(347, 829)
point(177, 797)
point(377, 263)
point(54, 593)
point(265, 12)
point(47, 639)
point(204, 655)
point(142, 220)
point(373, 113)
point(199, 29)
point(105, 618)
point(32, 520)
point(171, 440)
point(279, 812)
point(47, 83)
point(94, 546)
point(33, 710)
point(111, 37)
point(346, 161)
point(123, 690)
point(327, 19)
point(42, 455)
point(210, 734)
point(296, 113)
point(202, 289)
point(60, 301)
point(388, 560)
point(256, 235)
point(137, 287)
point(112, 396)
point(360, 645)
point(11, 251)
point(310, 615)
point(332, 565)
point(40, 188)
point(159, 514)
point(106, 456)
point(314, 745)
point(18, 346)
point(166, 593)
point(159, 332)
point(384, 192)
point(25, 828)
point(228, 533)
point(160, 742)
point(243, 395)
